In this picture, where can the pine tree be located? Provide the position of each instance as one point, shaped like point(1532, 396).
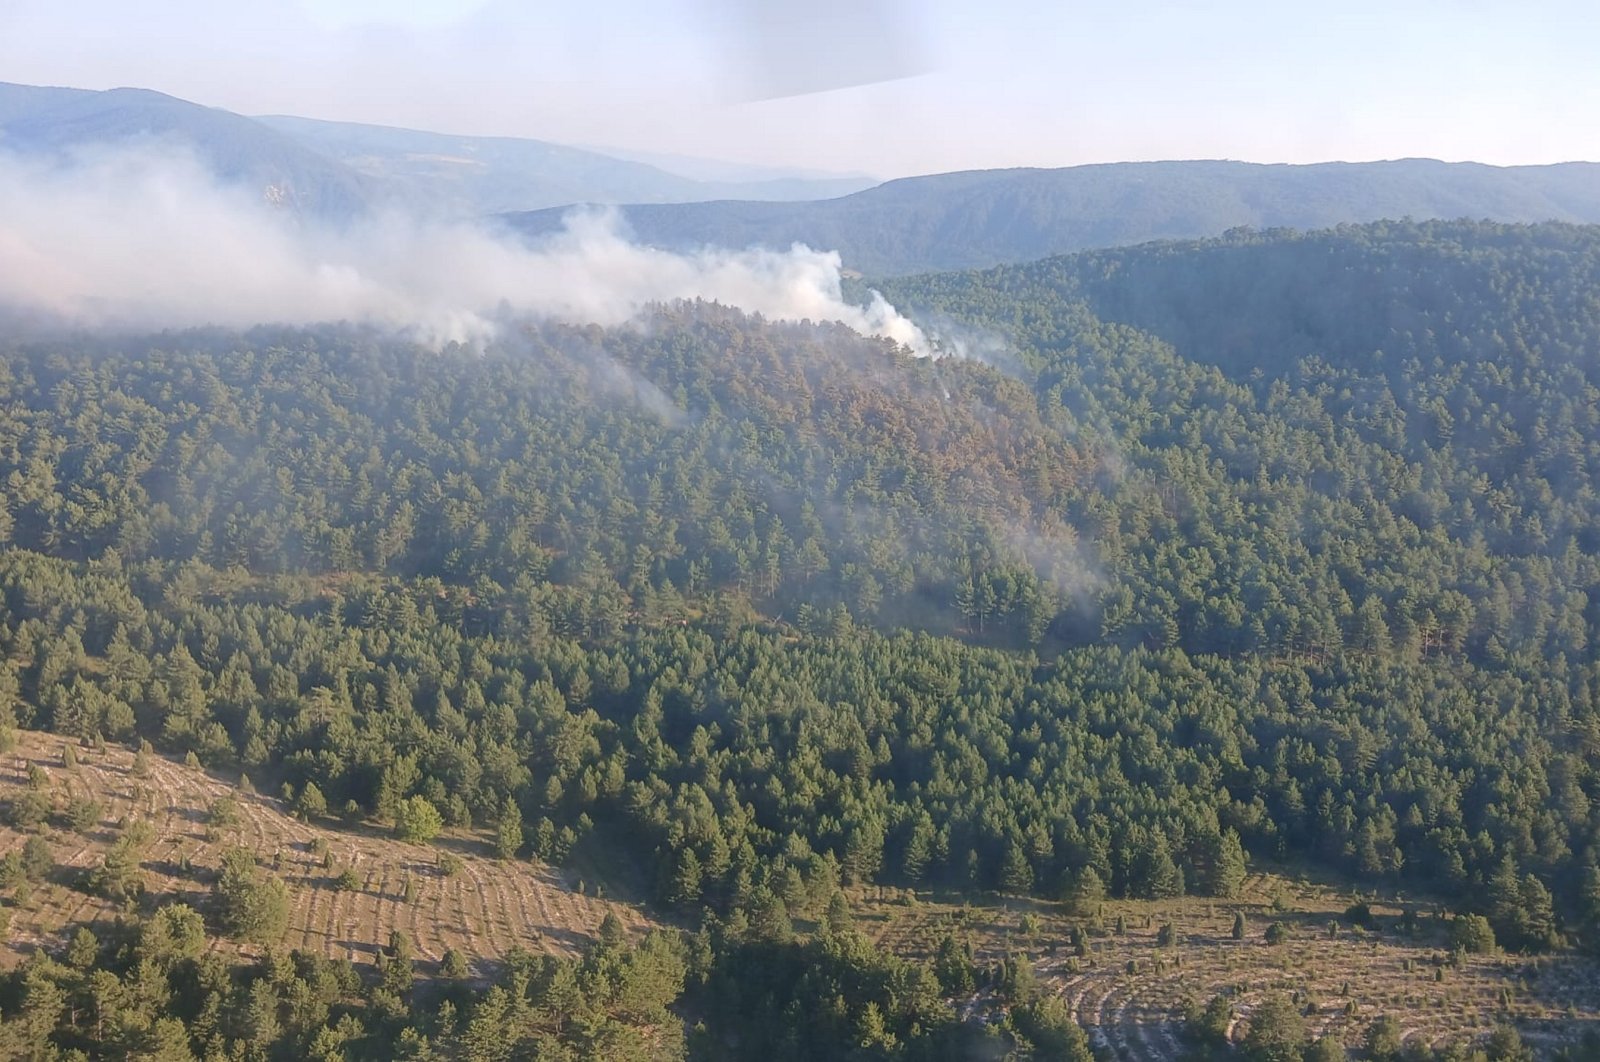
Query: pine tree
point(508, 831)
point(1472, 934)
point(1155, 875)
point(952, 965)
point(396, 972)
point(83, 950)
point(1277, 1031)
point(683, 890)
point(1538, 915)
point(417, 820)
point(838, 919)
point(310, 805)
point(1589, 908)
point(252, 905)
point(1227, 866)
point(1084, 893)
point(769, 919)
point(119, 876)
point(1504, 896)
point(918, 850)
point(863, 853)
point(1016, 874)
point(454, 965)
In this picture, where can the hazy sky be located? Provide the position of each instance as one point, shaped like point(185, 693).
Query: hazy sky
point(907, 87)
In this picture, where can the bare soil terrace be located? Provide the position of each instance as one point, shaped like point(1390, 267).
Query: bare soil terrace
point(1129, 991)
point(485, 909)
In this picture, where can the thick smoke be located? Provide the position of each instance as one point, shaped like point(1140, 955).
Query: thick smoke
point(144, 237)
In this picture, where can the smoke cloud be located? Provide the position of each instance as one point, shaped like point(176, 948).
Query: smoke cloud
point(144, 237)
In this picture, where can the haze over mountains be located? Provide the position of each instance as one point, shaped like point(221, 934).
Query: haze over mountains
point(460, 175)
point(974, 219)
point(736, 675)
point(983, 218)
point(335, 170)
point(58, 122)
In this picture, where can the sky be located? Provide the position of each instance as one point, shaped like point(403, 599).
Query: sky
point(882, 87)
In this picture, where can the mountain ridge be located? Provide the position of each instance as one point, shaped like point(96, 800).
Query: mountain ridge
point(59, 122)
point(515, 169)
point(981, 218)
point(339, 169)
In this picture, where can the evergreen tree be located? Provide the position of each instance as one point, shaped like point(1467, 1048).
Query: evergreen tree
point(952, 965)
point(684, 889)
point(1016, 875)
point(251, 905)
point(508, 830)
point(1084, 893)
point(417, 820)
point(310, 805)
point(1154, 875)
point(1277, 1031)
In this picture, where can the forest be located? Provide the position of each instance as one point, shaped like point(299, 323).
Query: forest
point(1279, 547)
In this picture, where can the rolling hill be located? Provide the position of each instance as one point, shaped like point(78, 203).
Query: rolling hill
point(1278, 548)
point(335, 170)
point(484, 909)
point(58, 123)
point(467, 175)
point(982, 218)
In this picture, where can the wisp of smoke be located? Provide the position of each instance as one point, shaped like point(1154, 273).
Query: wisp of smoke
point(952, 337)
point(143, 237)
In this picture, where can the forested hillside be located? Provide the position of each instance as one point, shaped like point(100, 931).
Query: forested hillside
point(1282, 546)
point(982, 218)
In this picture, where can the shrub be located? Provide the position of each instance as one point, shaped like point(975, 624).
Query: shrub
point(1472, 934)
point(454, 965)
point(417, 820)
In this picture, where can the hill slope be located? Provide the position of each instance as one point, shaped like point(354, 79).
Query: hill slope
point(987, 217)
point(484, 910)
point(335, 170)
point(483, 175)
point(1201, 577)
point(620, 564)
point(58, 122)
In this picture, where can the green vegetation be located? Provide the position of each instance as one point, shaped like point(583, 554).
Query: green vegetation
point(251, 904)
point(417, 820)
point(982, 218)
point(1278, 547)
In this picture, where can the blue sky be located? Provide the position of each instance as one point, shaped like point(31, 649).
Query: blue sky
point(888, 87)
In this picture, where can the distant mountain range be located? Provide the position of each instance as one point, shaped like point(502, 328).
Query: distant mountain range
point(336, 169)
point(983, 218)
point(483, 175)
point(949, 221)
point(60, 121)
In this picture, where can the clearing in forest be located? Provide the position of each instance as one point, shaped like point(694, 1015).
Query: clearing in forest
point(1129, 989)
point(484, 908)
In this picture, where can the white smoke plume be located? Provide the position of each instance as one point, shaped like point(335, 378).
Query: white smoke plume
point(144, 237)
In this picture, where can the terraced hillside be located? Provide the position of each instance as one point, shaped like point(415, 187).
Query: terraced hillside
point(483, 909)
point(1130, 991)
